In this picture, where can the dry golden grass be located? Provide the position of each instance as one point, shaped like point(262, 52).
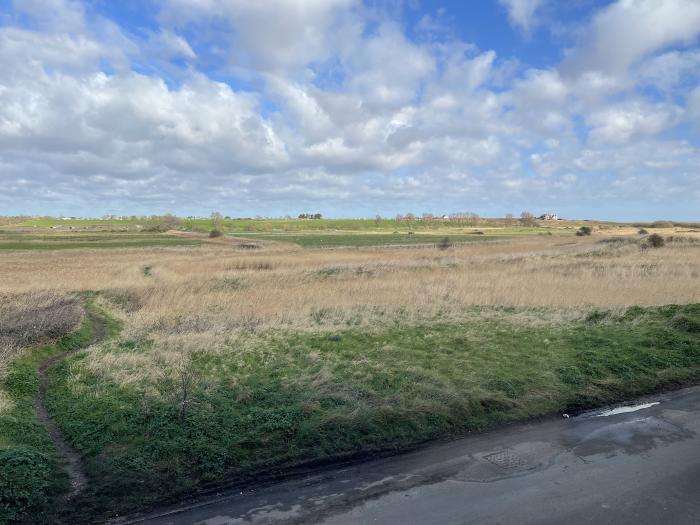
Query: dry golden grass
point(186, 299)
point(172, 292)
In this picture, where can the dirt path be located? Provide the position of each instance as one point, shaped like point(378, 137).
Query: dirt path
point(73, 465)
point(243, 243)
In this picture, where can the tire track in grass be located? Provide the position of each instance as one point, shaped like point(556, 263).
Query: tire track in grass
point(71, 457)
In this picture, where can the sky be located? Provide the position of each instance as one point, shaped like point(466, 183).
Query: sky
point(350, 108)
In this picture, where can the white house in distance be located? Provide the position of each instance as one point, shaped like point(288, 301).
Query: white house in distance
point(549, 217)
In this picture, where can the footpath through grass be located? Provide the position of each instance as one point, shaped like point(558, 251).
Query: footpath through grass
point(32, 480)
point(283, 397)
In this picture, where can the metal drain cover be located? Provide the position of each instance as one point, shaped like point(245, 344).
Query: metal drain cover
point(506, 459)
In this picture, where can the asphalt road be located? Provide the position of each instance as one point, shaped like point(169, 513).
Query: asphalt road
point(641, 466)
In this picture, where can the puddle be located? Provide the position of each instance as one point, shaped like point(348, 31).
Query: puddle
point(625, 410)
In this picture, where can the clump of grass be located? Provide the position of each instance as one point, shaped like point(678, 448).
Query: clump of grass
point(251, 265)
point(584, 230)
point(215, 233)
point(125, 299)
point(685, 323)
point(329, 271)
point(230, 283)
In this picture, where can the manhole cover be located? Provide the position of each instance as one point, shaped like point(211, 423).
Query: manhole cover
point(506, 459)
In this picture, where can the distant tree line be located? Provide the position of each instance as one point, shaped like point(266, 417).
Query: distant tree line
point(310, 216)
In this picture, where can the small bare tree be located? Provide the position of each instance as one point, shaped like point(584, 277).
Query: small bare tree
point(179, 384)
point(527, 219)
point(217, 222)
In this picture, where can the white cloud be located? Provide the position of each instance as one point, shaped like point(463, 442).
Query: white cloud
point(628, 30)
point(340, 105)
point(668, 70)
point(522, 12)
point(167, 44)
point(272, 36)
point(621, 123)
point(54, 15)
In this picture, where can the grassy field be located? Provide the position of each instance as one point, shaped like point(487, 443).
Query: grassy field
point(58, 245)
point(335, 240)
point(283, 396)
point(234, 226)
point(19, 240)
point(226, 360)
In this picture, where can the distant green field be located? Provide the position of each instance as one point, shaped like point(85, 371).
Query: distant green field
point(94, 236)
point(321, 233)
point(62, 245)
point(336, 240)
point(284, 225)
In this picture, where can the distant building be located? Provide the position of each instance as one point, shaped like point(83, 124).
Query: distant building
point(549, 217)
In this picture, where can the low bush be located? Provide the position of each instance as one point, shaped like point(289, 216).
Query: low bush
point(25, 479)
point(655, 240)
point(584, 230)
point(37, 317)
point(685, 324)
point(642, 231)
point(215, 233)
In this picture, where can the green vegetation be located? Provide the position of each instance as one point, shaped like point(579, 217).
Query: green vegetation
point(280, 397)
point(228, 225)
point(63, 244)
point(655, 240)
point(311, 233)
point(31, 479)
point(336, 240)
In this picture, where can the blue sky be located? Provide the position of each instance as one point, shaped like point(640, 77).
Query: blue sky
point(588, 108)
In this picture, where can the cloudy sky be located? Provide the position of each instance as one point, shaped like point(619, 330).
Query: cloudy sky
point(589, 108)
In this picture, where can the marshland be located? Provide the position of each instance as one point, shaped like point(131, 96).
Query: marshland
point(224, 357)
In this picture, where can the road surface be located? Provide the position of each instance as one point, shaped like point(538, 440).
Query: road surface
point(636, 465)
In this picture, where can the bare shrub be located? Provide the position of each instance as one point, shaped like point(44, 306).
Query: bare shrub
point(655, 240)
point(180, 382)
point(163, 223)
point(527, 219)
point(444, 244)
point(217, 222)
point(32, 318)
